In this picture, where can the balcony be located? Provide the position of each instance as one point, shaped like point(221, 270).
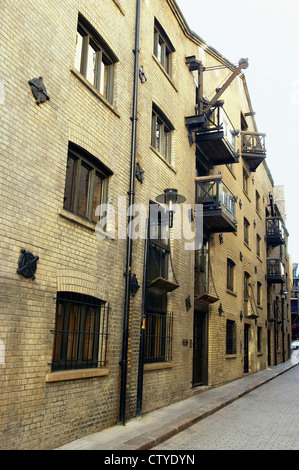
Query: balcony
point(274, 231)
point(275, 271)
point(219, 204)
point(253, 148)
point(214, 138)
point(250, 309)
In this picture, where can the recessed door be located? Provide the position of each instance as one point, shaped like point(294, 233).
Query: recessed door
point(246, 348)
point(200, 352)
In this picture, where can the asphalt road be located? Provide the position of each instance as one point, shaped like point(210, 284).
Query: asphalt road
point(265, 419)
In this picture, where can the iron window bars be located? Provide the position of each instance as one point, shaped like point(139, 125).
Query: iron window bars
point(230, 337)
point(81, 332)
point(158, 336)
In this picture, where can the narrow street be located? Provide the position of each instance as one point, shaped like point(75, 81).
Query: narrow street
point(265, 419)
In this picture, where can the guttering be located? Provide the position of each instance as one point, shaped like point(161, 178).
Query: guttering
point(131, 193)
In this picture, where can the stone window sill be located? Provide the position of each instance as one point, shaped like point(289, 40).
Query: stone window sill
point(163, 159)
point(79, 220)
point(76, 374)
point(164, 72)
point(94, 91)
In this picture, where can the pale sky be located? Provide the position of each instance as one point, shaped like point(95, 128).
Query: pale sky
point(267, 33)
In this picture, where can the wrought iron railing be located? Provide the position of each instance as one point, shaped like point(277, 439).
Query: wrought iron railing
point(213, 193)
point(274, 227)
point(253, 143)
point(275, 268)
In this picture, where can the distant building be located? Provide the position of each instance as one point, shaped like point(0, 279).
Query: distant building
point(295, 302)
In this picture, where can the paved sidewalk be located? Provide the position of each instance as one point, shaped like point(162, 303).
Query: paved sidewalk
point(157, 426)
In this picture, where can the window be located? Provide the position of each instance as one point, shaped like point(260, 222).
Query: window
point(258, 245)
point(257, 202)
point(245, 181)
point(159, 243)
point(158, 336)
point(259, 293)
point(86, 183)
point(158, 332)
point(161, 134)
point(230, 275)
point(94, 60)
point(246, 231)
point(230, 337)
point(81, 332)
point(163, 48)
point(259, 338)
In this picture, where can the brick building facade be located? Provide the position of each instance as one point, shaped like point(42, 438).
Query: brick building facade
point(111, 127)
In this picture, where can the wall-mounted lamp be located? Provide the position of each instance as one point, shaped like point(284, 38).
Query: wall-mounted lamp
point(170, 198)
point(283, 294)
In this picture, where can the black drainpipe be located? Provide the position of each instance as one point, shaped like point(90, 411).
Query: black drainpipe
point(131, 194)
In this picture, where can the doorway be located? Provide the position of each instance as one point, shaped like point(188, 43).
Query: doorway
point(200, 349)
point(246, 348)
point(269, 346)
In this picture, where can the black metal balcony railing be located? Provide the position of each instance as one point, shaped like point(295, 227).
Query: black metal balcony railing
point(219, 204)
point(275, 271)
point(274, 231)
point(214, 137)
point(253, 148)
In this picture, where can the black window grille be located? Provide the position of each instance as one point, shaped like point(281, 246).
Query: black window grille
point(158, 336)
point(230, 337)
point(81, 332)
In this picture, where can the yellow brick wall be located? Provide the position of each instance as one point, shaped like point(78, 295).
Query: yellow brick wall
point(41, 42)
point(39, 412)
